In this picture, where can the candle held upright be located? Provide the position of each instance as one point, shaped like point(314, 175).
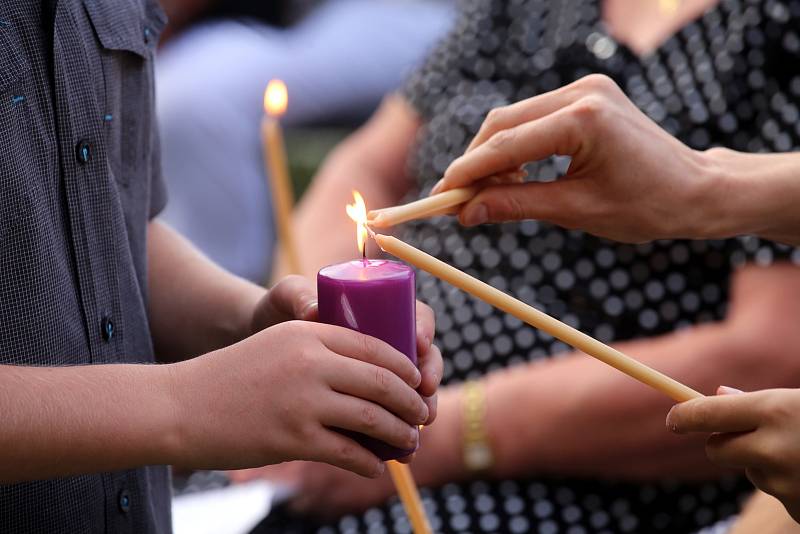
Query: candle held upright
point(276, 100)
point(374, 297)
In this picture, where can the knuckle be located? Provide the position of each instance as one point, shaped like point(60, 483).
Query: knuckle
point(495, 117)
point(369, 417)
point(502, 140)
point(698, 414)
point(588, 110)
point(600, 83)
point(346, 453)
point(382, 380)
point(368, 345)
point(775, 409)
point(506, 207)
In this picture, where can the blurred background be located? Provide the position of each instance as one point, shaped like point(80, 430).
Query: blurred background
point(338, 59)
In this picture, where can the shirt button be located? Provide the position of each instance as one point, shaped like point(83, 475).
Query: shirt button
point(124, 501)
point(107, 327)
point(84, 152)
point(147, 35)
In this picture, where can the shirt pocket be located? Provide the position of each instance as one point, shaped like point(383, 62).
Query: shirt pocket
point(127, 32)
point(17, 186)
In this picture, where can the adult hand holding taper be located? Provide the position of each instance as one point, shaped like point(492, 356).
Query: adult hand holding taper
point(628, 180)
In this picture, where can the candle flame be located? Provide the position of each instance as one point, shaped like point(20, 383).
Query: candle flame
point(358, 212)
point(276, 98)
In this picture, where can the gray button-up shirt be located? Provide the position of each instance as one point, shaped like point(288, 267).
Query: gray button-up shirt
point(79, 181)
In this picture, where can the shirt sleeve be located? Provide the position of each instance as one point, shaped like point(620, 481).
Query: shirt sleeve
point(158, 189)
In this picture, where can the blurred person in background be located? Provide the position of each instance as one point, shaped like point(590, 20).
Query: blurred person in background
point(337, 57)
point(567, 444)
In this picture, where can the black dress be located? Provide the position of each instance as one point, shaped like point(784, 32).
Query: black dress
point(731, 78)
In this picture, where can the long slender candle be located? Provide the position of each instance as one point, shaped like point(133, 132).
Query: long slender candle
point(536, 318)
point(275, 102)
point(420, 209)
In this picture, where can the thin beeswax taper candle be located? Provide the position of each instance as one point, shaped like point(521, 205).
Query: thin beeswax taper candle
point(536, 318)
point(275, 102)
point(420, 209)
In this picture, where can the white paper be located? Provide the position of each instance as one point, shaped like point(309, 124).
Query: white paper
point(235, 509)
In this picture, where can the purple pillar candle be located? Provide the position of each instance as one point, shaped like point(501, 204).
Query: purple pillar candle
point(376, 298)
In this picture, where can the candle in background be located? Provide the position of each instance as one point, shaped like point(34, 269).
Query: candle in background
point(374, 297)
point(276, 99)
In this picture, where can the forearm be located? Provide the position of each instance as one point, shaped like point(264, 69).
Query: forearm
point(752, 194)
point(72, 420)
point(194, 305)
point(372, 161)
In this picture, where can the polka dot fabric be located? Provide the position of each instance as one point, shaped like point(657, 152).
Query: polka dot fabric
point(730, 78)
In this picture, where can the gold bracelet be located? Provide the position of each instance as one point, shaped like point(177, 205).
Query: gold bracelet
point(477, 451)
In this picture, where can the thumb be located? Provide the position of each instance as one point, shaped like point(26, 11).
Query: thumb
point(295, 297)
point(552, 201)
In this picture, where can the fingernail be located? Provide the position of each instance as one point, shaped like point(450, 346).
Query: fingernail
point(727, 390)
point(417, 379)
point(672, 426)
point(413, 437)
point(437, 187)
point(379, 469)
point(476, 215)
point(423, 416)
point(308, 309)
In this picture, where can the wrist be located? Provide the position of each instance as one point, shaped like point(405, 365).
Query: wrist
point(166, 443)
point(440, 458)
point(730, 201)
point(181, 385)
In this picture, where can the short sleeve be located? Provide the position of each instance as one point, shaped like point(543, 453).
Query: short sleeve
point(158, 189)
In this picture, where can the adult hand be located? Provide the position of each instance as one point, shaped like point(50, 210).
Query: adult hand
point(295, 297)
point(628, 179)
point(276, 396)
point(757, 431)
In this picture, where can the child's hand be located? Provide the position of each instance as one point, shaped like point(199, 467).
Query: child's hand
point(295, 298)
point(759, 432)
point(292, 298)
point(277, 395)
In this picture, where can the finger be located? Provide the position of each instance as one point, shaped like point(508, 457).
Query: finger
point(558, 202)
point(380, 386)
point(727, 413)
point(294, 297)
point(431, 367)
point(338, 450)
point(365, 417)
point(426, 325)
point(527, 110)
point(509, 176)
point(407, 459)
point(740, 449)
point(432, 403)
point(556, 134)
point(369, 349)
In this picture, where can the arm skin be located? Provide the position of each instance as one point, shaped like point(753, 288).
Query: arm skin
point(373, 161)
point(195, 306)
point(53, 425)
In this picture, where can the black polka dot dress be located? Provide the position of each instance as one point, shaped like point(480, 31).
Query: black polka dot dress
point(731, 78)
